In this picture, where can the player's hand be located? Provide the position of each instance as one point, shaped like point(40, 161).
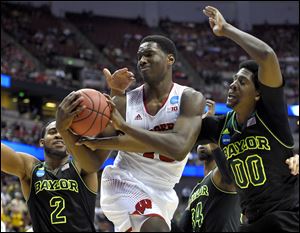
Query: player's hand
point(116, 119)
point(211, 108)
point(293, 163)
point(99, 143)
point(120, 80)
point(216, 20)
point(89, 142)
point(67, 110)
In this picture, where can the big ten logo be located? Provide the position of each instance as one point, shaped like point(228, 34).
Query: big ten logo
point(173, 108)
point(142, 205)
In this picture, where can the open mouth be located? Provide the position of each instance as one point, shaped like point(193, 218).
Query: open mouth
point(59, 143)
point(231, 96)
point(145, 68)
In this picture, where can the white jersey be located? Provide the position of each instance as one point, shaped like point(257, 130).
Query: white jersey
point(152, 168)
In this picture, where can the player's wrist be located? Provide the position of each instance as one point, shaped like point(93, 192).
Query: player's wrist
point(226, 29)
point(117, 92)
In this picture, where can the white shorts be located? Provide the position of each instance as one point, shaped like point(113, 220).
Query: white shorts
point(128, 203)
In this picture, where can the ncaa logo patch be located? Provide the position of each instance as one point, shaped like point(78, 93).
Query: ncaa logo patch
point(225, 139)
point(174, 99)
point(40, 173)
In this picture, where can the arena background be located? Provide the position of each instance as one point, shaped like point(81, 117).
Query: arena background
point(50, 48)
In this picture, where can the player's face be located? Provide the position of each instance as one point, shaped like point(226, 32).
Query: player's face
point(242, 92)
point(53, 143)
point(152, 62)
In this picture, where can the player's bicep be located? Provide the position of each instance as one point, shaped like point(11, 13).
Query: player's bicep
point(14, 163)
point(188, 124)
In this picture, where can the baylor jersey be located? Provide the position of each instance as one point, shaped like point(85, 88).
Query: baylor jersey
point(60, 202)
point(256, 153)
point(257, 160)
point(208, 204)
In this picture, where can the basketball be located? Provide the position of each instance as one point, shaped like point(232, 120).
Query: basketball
point(94, 118)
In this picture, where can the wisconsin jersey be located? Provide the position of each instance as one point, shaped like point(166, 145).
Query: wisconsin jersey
point(60, 202)
point(152, 168)
point(211, 209)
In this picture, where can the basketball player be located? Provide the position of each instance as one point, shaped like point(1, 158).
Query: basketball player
point(255, 137)
point(214, 204)
point(137, 191)
point(60, 193)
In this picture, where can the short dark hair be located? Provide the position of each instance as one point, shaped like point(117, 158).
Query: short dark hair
point(253, 67)
point(42, 135)
point(165, 43)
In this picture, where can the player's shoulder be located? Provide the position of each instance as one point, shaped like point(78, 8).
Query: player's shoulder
point(190, 94)
point(191, 91)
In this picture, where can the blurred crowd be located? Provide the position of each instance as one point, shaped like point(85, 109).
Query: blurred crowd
point(41, 35)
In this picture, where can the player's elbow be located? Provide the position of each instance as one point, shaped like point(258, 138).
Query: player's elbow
point(267, 53)
point(179, 152)
point(91, 168)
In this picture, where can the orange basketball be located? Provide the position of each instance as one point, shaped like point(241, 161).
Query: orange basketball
point(94, 118)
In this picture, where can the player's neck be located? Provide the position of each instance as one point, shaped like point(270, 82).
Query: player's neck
point(158, 90)
point(242, 115)
point(53, 164)
point(208, 166)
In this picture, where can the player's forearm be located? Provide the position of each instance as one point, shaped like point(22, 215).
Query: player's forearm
point(119, 93)
point(256, 48)
point(90, 161)
point(170, 144)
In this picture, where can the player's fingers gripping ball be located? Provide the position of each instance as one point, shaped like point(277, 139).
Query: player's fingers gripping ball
point(93, 119)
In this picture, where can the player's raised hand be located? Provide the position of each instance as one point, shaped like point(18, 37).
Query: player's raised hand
point(293, 163)
point(216, 20)
point(211, 108)
point(67, 110)
point(120, 80)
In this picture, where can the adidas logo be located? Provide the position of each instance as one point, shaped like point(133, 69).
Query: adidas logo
point(138, 117)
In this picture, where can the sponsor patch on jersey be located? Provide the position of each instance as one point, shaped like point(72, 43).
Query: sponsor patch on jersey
point(174, 99)
point(40, 173)
point(65, 167)
point(225, 139)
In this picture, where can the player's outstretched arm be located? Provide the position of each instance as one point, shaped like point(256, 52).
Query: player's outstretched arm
point(269, 71)
point(15, 163)
point(175, 144)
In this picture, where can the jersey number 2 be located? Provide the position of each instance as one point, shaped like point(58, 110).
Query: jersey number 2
point(59, 203)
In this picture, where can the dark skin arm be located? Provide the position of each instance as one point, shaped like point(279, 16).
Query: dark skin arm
point(87, 160)
point(18, 164)
point(269, 72)
point(184, 133)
